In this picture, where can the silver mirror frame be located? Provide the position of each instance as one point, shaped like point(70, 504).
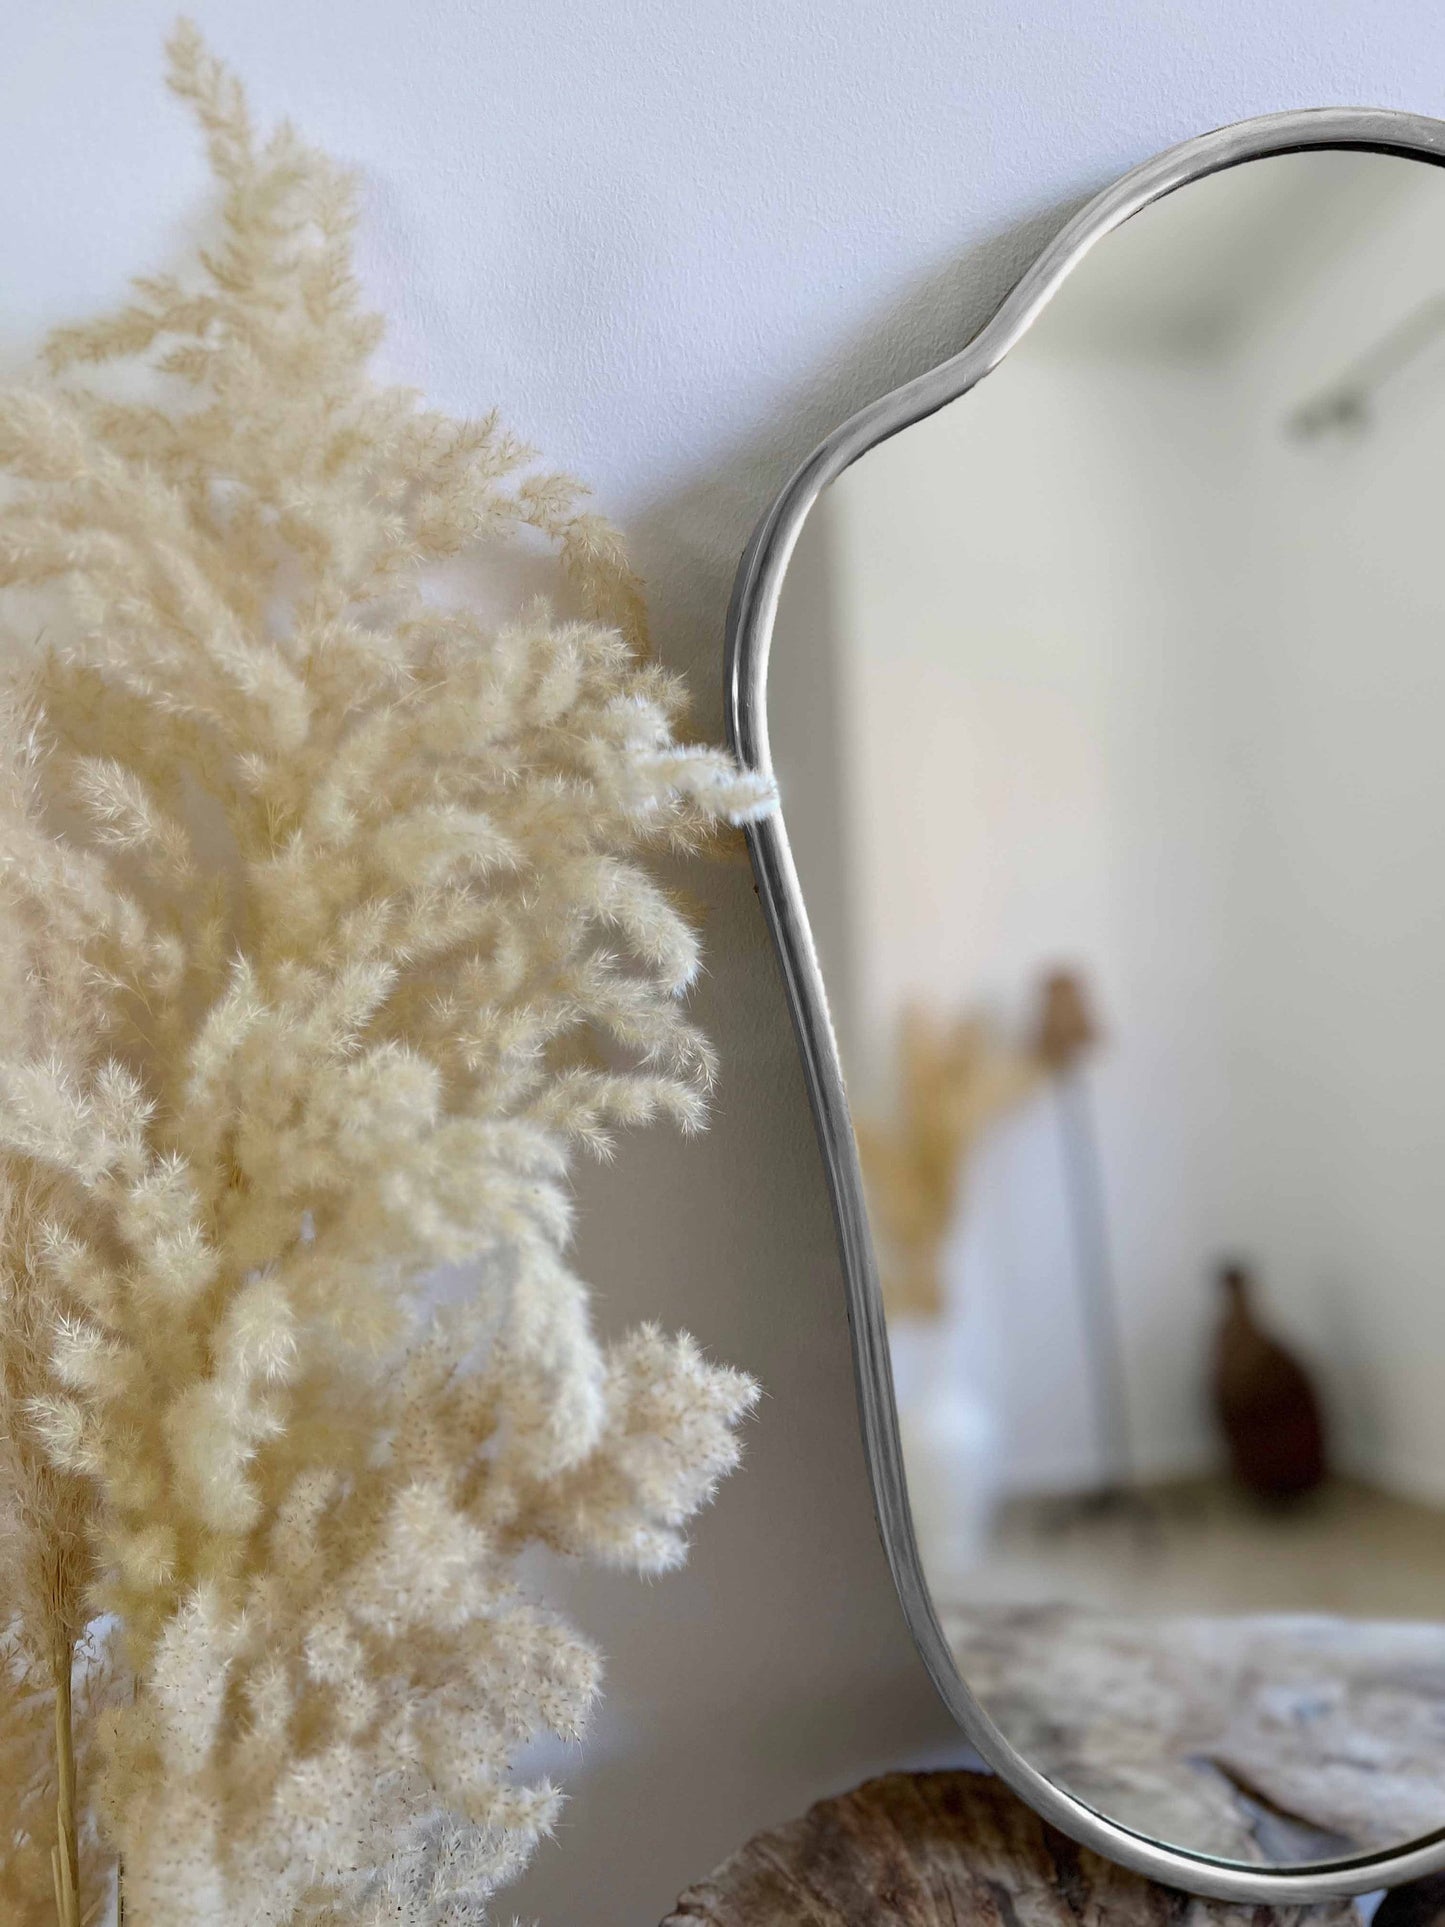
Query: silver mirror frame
point(751, 620)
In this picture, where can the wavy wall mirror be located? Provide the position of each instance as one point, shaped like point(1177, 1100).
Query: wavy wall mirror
point(1102, 670)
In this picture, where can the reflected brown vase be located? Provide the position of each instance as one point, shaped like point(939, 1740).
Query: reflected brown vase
point(1266, 1403)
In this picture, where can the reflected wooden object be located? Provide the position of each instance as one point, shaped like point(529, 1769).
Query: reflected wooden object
point(1267, 1405)
point(1067, 1026)
point(947, 1850)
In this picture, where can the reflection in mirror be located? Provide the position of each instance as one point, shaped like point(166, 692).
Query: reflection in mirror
point(1106, 705)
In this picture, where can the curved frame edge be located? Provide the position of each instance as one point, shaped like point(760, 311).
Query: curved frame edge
point(751, 619)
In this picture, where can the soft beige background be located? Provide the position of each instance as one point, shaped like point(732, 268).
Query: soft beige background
point(677, 240)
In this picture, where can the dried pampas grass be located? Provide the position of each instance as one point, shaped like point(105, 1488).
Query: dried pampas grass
point(328, 938)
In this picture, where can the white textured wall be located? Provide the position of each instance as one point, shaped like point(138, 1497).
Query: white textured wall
point(676, 240)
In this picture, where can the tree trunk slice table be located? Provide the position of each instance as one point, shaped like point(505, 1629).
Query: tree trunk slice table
point(950, 1849)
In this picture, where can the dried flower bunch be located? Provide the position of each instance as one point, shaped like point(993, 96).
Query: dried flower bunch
point(328, 937)
point(955, 1080)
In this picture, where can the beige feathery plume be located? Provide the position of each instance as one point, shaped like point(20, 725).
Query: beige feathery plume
point(330, 937)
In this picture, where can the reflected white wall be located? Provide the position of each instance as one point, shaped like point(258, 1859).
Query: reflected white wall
point(1339, 1024)
point(1132, 681)
point(1037, 782)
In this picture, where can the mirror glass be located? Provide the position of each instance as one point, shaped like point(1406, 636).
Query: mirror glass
point(1107, 708)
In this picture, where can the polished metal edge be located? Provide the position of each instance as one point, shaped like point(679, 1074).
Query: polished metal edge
point(751, 618)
